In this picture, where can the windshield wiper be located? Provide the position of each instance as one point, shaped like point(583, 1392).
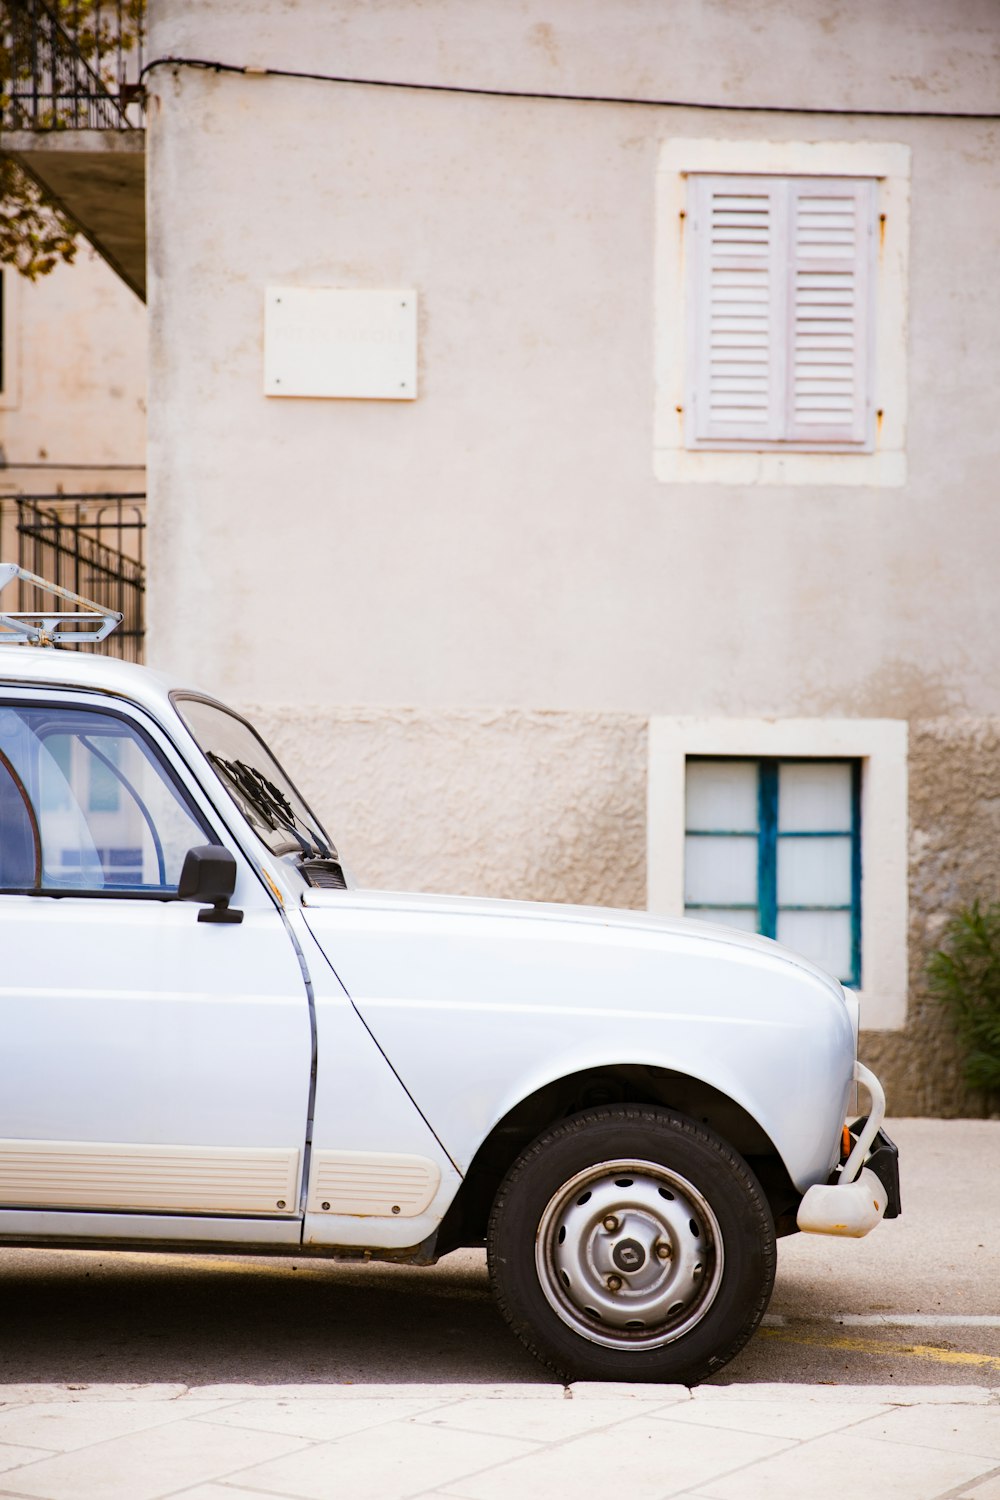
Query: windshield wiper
point(270, 804)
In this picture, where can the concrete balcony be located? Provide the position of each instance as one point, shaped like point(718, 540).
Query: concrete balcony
point(74, 126)
point(98, 179)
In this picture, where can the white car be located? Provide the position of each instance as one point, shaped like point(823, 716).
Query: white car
point(213, 1039)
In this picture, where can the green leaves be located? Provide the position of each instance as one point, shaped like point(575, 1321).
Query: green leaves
point(964, 974)
point(34, 236)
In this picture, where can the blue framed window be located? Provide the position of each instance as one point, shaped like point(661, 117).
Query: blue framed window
point(774, 846)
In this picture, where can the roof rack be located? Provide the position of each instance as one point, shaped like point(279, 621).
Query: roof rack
point(84, 625)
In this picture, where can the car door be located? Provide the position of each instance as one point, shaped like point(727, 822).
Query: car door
point(151, 1062)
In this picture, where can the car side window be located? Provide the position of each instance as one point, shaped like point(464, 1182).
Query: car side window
point(20, 855)
point(86, 804)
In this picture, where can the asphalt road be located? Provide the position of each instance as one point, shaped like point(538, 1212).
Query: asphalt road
point(917, 1303)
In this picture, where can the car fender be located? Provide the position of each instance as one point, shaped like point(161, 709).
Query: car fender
point(477, 1004)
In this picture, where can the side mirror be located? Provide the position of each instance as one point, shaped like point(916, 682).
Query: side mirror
point(209, 876)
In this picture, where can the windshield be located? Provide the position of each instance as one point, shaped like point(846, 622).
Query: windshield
point(255, 781)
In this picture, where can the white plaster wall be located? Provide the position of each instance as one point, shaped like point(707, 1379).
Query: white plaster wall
point(503, 540)
point(886, 54)
point(73, 409)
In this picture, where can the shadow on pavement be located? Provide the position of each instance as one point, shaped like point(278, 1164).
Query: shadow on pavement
point(80, 1316)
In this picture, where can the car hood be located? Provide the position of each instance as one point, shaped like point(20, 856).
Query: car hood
point(443, 911)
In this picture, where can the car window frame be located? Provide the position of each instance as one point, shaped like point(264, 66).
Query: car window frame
point(67, 704)
point(186, 695)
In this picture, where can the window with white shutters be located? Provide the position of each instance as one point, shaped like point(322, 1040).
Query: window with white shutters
point(781, 320)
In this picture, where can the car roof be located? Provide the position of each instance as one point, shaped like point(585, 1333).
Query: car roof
point(85, 671)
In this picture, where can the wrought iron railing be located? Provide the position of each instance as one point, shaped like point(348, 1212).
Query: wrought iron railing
point(65, 64)
point(91, 544)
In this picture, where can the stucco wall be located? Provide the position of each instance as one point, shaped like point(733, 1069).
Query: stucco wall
point(502, 540)
point(954, 858)
point(888, 54)
point(73, 409)
point(539, 806)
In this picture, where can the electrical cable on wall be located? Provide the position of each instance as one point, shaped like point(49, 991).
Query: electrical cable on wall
point(252, 70)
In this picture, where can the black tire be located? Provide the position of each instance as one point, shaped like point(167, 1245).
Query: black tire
point(652, 1201)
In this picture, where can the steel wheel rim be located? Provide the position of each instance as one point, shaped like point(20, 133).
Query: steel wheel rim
point(629, 1254)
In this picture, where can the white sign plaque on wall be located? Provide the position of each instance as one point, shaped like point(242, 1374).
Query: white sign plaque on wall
point(325, 341)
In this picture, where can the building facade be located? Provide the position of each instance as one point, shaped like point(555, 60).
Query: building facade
point(72, 383)
point(571, 433)
point(73, 437)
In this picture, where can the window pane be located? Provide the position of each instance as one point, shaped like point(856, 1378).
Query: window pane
point(108, 816)
point(722, 794)
point(254, 780)
point(69, 854)
point(823, 936)
point(18, 860)
point(719, 870)
point(814, 796)
point(105, 787)
point(746, 921)
point(814, 871)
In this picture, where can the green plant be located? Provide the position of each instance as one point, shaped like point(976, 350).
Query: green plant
point(964, 974)
point(35, 235)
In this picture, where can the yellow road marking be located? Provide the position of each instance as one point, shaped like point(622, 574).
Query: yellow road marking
point(872, 1346)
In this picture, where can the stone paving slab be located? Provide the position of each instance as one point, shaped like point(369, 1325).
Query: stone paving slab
point(471, 1442)
point(988, 1490)
point(61, 1426)
point(147, 1464)
point(823, 1469)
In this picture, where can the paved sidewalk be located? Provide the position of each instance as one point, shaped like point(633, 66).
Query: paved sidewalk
point(741, 1442)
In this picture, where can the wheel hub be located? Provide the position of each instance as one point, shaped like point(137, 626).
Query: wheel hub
point(629, 1253)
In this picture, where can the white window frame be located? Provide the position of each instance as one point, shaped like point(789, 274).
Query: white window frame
point(881, 460)
point(881, 746)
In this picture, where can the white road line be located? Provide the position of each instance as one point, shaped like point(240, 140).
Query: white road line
point(887, 1320)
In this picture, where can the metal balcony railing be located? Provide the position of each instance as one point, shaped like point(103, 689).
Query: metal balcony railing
point(72, 64)
point(90, 544)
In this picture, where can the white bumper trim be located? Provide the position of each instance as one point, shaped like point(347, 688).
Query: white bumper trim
point(856, 1202)
point(851, 1209)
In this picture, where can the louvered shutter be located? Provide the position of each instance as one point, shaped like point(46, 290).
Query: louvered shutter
point(737, 392)
point(780, 322)
point(830, 244)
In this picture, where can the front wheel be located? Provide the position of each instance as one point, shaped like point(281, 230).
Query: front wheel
point(632, 1244)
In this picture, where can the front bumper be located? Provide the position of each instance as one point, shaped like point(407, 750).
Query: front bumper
point(865, 1188)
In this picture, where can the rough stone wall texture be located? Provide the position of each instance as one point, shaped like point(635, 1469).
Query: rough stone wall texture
point(954, 857)
point(552, 807)
point(530, 805)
